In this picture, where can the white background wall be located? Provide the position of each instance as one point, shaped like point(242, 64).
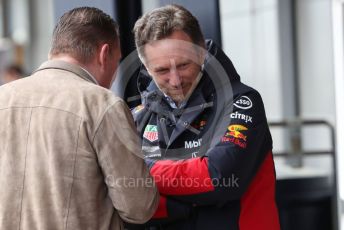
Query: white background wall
point(316, 65)
point(250, 38)
point(254, 37)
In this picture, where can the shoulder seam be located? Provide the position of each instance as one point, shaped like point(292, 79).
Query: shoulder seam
point(99, 122)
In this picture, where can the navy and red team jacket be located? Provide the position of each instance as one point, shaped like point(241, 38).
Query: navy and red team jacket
point(204, 182)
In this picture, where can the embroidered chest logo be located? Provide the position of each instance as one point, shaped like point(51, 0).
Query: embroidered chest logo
point(193, 144)
point(151, 133)
point(235, 135)
point(241, 116)
point(235, 131)
point(243, 102)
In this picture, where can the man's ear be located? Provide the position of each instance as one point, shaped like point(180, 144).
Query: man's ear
point(103, 55)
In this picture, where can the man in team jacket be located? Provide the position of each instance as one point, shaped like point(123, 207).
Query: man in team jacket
point(204, 133)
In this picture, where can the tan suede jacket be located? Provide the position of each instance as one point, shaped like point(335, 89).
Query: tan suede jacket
point(69, 155)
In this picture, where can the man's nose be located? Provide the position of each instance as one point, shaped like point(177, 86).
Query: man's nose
point(174, 79)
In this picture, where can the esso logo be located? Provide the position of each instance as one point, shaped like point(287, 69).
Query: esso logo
point(243, 103)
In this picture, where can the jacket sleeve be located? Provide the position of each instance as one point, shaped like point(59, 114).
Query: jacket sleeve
point(226, 171)
point(168, 211)
point(130, 185)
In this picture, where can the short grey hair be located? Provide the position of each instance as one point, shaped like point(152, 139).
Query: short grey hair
point(162, 22)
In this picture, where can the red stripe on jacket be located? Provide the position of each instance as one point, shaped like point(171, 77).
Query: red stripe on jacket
point(181, 178)
point(258, 206)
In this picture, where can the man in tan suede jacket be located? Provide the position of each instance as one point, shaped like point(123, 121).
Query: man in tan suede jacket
point(69, 155)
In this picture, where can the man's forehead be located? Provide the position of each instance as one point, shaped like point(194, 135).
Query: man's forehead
point(158, 55)
point(167, 61)
point(171, 46)
point(172, 42)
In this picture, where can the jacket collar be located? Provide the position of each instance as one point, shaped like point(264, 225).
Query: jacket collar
point(195, 107)
point(156, 103)
point(62, 65)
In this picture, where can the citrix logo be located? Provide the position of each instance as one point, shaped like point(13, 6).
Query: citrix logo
point(241, 116)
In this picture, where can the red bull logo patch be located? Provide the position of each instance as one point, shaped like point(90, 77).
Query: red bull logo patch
point(235, 131)
point(151, 133)
point(235, 141)
point(234, 134)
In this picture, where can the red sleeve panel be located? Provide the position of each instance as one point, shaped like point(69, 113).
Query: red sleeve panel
point(258, 210)
point(181, 178)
